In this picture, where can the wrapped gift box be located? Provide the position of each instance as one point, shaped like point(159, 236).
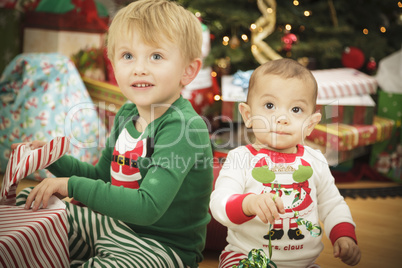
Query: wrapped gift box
point(33, 239)
point(343, 82)
point(68, 21)
point(65, 33)
point(354, 110)
point(105, 92)
point(43, 96)
point(27, 238)
point(342, 137)
point(386, 156)
point(335, 158)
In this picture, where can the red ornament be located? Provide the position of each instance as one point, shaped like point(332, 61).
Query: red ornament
point(353, 57)
point(371, 65)
point(288, 39)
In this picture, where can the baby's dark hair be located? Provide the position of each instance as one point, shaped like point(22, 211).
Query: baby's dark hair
point(285, 68)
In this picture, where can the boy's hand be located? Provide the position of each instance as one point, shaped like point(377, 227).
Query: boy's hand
point(346, 249)
point(34, 145)
point(264, 206)
point(44, 190)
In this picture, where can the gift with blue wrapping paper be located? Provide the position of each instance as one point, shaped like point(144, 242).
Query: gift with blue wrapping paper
point(42, 96)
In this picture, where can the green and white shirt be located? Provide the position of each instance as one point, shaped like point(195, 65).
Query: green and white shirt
point(171, 168)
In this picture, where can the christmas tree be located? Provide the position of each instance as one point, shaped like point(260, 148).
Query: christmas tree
point(316, 32)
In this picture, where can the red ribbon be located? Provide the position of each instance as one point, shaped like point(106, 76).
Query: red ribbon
point(88, 9)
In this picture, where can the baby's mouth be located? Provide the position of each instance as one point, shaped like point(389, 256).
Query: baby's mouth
point(280, 133)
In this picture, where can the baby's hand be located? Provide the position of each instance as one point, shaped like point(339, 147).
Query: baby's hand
point(264, 206)
point(44, 190)
point(347, 250)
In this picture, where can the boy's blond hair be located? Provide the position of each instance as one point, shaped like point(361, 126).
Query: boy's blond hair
point(157, 21)
point(285, 68)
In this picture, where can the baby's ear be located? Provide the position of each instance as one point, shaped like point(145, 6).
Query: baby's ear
point(314, 120)
point(191, 71)
point(245, 112)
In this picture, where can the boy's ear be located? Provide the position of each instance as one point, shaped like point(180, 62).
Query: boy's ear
point(314, 120)
point(191, 71)
point(245, 112)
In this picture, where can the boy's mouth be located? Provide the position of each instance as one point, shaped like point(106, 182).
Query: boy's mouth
point(141, 85)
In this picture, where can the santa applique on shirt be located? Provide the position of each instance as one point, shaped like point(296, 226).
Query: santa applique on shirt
point(125, 168)
point(286, 175)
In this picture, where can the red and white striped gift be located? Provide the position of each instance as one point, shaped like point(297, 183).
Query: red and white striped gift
point(24, 161)
point(343, 82)
point(27, 238)
point(33, 239)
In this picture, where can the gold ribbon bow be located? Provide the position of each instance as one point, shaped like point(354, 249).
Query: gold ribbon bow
point(264, 26)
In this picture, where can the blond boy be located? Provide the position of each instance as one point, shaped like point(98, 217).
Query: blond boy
point(151, 186)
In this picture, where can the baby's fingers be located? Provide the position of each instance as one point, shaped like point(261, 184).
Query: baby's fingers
point(279, 204)
point(273, 210)
point(268, 210)
point(347, 251)
point(262, 215)
point(351, 256)
point(336, 250)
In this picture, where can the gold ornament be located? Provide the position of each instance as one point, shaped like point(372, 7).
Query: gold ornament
point(234, 42)
point(263, 27)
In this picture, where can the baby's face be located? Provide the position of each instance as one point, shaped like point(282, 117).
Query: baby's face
point(280, 111)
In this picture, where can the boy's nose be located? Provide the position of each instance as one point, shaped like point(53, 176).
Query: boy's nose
point(140, 69)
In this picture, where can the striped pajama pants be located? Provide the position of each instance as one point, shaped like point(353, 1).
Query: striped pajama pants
point(97, 240)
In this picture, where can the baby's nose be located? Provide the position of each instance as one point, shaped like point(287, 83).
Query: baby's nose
point(283, 120)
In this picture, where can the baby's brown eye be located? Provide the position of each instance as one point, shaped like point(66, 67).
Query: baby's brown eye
point(269, 106)
point(296, 110)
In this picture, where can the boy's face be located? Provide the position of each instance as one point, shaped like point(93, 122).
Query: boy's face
point(149, 74)
point(280, 112)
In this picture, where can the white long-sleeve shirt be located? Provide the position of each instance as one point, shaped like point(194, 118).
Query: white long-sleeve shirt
point(307, 188)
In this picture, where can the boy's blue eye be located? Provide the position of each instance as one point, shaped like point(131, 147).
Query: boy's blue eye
point(127, 56)
point(156, 56)
point(297, 110)
point(269, 106)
